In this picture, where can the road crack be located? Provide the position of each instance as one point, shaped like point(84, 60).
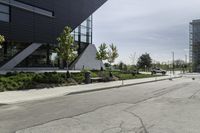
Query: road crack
point(120, 127)
point(194, 94)
point(140, 119)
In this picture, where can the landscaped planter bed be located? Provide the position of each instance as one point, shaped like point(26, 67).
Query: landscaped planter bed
point(24, 81)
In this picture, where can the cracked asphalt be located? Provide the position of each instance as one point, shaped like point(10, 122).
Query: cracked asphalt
point(159, 107)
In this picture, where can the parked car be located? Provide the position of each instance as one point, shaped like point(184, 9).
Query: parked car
point(158, 70)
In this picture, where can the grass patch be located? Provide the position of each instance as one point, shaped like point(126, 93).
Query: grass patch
point(126, 76)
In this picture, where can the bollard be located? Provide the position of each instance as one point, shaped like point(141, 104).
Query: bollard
point(122, 82)
point(87, 77)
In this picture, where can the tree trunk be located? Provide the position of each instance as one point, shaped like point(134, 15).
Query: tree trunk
point(67, 74)
point(101, 67)
point(110, 73)
point(61, 64)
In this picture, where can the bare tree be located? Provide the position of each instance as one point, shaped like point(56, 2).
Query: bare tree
point(112, 54)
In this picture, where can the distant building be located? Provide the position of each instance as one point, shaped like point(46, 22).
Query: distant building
point(195, 45)
point(32, 26)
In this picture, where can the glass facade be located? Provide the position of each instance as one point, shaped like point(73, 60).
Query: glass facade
point(4, 13)
point(9, 50)
point(45, 56)
point(195, 45)
point(42, 57)
point(28, 7)
point(83, 34)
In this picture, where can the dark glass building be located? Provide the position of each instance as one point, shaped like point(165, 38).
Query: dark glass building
point(32, 26)
point(195, 45)
point(83, 34)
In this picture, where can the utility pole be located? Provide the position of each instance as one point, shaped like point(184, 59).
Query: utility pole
point(186, 62)
point(186, 58)
point(173, 62)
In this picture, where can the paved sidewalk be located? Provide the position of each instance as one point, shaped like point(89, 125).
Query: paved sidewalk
point(12, 97)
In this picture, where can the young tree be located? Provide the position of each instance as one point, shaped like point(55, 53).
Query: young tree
point(133, 59)
point(66, 49)
point(102, 53)
point(121, 65)
point(107, 65)
point(2, 39)
point(144, 61)
point(112, 54)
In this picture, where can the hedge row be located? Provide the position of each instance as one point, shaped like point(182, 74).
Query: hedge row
point(21, 81)
point(16, 82)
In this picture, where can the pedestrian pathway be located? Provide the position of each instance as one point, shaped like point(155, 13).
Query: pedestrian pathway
point(12, 97)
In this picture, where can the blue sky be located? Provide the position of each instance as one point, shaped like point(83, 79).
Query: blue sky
point(157, 27)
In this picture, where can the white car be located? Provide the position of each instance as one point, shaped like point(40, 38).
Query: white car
point(158, 70)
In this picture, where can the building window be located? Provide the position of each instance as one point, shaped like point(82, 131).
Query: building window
point(4, 13)
point(27, 7)
point(83, 33)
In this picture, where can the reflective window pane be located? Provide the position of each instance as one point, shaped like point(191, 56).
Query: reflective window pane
point(84, 39)
point(84, 23)
point(83, 34)
point(4, 13)
point(76, 38)
point(4, 9)
point(4, 17)
point(83, 30)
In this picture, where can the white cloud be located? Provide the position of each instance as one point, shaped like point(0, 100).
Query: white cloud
point(154, 26)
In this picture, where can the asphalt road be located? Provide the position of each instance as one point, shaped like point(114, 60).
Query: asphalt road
point(165, 106)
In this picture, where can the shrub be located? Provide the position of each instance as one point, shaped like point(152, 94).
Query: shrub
point(78, 77)
point(50, 78)
point(16, 82)
point(94, 74)
point(1, 87)
point(21, 81)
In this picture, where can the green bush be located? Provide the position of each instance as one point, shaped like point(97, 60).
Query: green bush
point(94, 74)
point(78, 77)
point(16, 82)
point(50, 78)
point(1, 87)
point(21, 81)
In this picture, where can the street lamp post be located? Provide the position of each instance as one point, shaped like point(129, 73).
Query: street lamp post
point(173, 62)
point(186, 63)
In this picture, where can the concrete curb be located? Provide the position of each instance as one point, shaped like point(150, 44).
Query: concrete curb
point(88, 91)
point(119, 86)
